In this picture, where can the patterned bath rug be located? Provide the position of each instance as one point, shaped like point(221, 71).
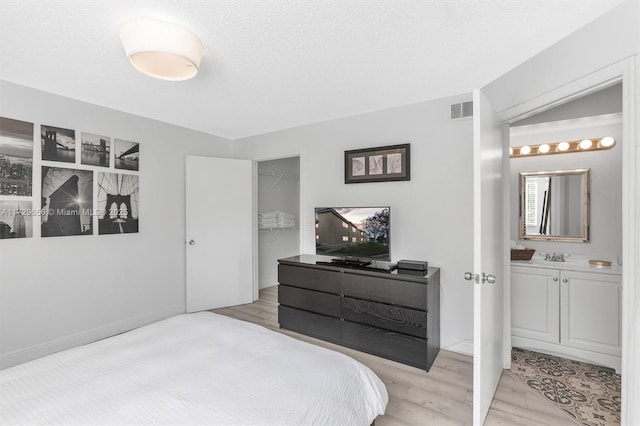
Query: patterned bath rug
point(588, 393)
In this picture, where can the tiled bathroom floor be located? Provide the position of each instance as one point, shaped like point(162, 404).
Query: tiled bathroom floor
point(587, 393)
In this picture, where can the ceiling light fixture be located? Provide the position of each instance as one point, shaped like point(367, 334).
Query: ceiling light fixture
point(160, 49)
point(566, 147)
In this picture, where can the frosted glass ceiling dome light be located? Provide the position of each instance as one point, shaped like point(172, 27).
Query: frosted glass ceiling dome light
point(160, 49)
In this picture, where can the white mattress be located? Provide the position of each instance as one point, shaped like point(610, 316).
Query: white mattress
point(198, 368)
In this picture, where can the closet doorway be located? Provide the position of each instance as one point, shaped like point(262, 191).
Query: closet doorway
point(278, 193)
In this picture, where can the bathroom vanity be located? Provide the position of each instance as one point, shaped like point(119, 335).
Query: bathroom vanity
point(567, 308)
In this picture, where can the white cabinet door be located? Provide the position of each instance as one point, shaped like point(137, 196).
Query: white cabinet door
point(590, 311)
point(535, 304)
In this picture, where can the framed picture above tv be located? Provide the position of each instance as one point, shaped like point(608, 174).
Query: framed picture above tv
point(379, 164)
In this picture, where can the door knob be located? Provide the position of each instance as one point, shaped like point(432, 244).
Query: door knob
point(192, 242)
point(491, 279)
point(469, 276)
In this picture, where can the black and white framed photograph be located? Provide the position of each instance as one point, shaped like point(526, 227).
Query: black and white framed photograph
point(118, 203)
point(67, 202)
point(96, 149)
point(16, 219)
point(379, 164)
point(58, 144)
point(127, 155)
point(16, 157)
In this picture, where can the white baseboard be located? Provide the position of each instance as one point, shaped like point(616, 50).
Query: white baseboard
point(456, 344)
point(88, 336)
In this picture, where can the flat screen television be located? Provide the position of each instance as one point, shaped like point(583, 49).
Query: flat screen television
point(358, 234)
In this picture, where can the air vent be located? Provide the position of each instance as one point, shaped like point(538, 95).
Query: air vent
point(462, 110)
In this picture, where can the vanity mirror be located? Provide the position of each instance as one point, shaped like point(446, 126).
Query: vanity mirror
point(554, 205)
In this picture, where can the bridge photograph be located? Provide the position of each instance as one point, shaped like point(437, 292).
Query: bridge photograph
point(16, 157)
point(118, 203)
point(58, 144)
point(127, 154)
point(16, 219)
point(67, 202)
point(96, 149)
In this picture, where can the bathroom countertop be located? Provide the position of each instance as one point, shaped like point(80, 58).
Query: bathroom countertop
point(573, 262)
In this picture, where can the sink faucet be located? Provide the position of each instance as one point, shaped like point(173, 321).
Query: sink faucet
point(555, 257)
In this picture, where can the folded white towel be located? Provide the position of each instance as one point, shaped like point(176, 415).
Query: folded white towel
point(268, 215)
point(519, 247)
point(268, 222)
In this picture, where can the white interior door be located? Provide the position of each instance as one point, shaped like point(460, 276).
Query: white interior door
point(220, 232)
point(488, 337)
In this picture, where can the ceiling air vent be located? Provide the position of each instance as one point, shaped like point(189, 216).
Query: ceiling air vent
point(462, 110)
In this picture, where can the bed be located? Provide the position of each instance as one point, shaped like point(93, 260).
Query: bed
point(200, 368)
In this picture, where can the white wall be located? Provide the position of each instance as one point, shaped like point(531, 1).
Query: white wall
point(58, 292)
point(275, 193)
point(610, 39)
point(606, 180)
point(605, 101)
point(431, 215)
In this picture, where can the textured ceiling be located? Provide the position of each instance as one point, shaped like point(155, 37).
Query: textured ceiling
point(275, 64)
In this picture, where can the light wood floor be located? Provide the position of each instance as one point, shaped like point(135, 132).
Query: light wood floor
point(441, 397)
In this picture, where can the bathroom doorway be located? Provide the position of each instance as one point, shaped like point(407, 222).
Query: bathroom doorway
point(545, 319)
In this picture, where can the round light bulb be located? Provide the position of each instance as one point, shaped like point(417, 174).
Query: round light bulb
point(525, 150)
point(585, 144)
point(607, 141)
point(563, 146)
point(510, 151)
point(544, 148)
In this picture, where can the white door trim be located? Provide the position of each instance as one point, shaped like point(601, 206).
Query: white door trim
point(625, 71)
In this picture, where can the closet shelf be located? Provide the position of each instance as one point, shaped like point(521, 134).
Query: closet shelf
point(277, 175)
point(279, 228)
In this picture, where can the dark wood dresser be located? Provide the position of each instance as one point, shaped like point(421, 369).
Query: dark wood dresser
point(391, 314)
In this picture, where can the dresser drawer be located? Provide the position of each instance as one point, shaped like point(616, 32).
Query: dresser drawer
point(395, 346)
point(309, 300)
point(389, 317)
point(314, 325)
point(310, 278)
point(404, 293)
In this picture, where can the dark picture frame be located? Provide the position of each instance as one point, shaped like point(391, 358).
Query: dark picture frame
point(379, 164)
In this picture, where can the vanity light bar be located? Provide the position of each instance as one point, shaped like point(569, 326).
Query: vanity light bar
point(566, 147)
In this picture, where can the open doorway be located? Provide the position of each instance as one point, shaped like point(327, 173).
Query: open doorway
point(565, 312)
point(278, 215)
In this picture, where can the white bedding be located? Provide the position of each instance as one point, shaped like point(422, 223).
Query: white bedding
point(193, 369)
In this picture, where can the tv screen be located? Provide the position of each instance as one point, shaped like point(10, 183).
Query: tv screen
point(353, 232)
